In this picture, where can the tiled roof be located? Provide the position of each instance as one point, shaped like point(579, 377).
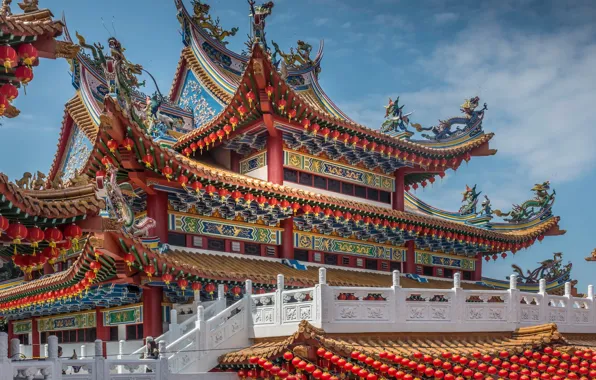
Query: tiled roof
point(237, 267)
point(31, 24)
point(402, 344)
point(318, 112)
point(62, 204)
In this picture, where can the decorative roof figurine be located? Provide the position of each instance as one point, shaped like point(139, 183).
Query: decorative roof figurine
point(296, 58)
point(470, 201)
point(486, 207)
point(541, 203)
point(203, 19)
point(396, 120)
point(259, 13)
point(471, 119)
point(549, 270)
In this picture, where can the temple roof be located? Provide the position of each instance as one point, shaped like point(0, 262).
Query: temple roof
point(295, 100)
point(37, 206)
point(403, 344)
point(32, 23)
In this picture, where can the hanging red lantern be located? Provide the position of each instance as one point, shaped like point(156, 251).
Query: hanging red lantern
point(74, 233)
point(35, 235)
point(187, 151)
point(90, 276)
point(242, 110)
point(112, 145)
point(148, 160)
point(17, 232)
point(52, 235)
point(227, 129)
point(183, 180)
point(8, 56)
point(305, 123)
point(129, 259)
point(269, 90)
point(64, 246)
point(182, 283)
point(236, 291)
point(210, 289)
point(106, 161)
point(23, 74)
point(95, 266)
point(234, 121)
point(28, 53)
point(167, 278)
point(167, 171)
point(128, 143)
point(250, 96)
point(193, 146)
point(213, 138)
point(291, 114)
point(149, 270)
point(9, 91)
point(282, 104)
point(196, 186)
point(196, 286)
point(220, 134)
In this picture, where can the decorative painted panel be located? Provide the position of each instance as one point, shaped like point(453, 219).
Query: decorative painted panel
point(345, 246)
point(224, 229)
point(195, 98)
point(22, 327)
point(123, 316)
point(427, 258)
point(253, 163)
point(77, 151)
point(67, 322)
point(332, 169)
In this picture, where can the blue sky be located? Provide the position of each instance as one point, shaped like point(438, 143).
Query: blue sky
point(533, 62)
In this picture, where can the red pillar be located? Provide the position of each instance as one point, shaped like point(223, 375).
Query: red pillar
point(275, 159)
point(10, 336)
point(152, 323)
point(157, 208)
point(48, 268)
point(35, 338)
point(478, 269)
point(102, 331)
point(410, 266)
point(398, 194)
point(287, 239)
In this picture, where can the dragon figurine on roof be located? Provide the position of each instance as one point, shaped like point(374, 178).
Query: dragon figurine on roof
point(203, 19)
point(540, 204)
point(259, 13)
point(550, 269)
point(296, 58)
point(395, 119)
point(470, 200)
point(471, 120)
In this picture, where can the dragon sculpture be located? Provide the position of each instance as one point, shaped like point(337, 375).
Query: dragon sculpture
point(395, 119)
point(296, 58)
point(259, 14)
point(549, 270)
point(486, 209)
point(469, 120)
point(118, 206)
point(203, 19)
point(470, 201)
point(542, 202)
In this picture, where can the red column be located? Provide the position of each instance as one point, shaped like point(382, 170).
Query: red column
point(398, 195)
point(275, 159)
point(102, 332)
point(478, 269)
point(410, 266)
point(152, 324)
point(157, 208)
point(35, 338)
point(48, 268)
point(287, 239)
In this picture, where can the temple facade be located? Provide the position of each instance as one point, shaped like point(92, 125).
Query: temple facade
point(244, 207)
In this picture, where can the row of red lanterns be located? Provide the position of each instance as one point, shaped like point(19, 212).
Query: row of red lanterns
point(18, 233)
point(25, 53)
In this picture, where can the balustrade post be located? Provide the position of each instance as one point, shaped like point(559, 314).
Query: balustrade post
point(591, 292)
point(399, 316)
point(321, 298)
point(45, 350)
point(591, 303)
point(202, 333)
point(174, 325)
point(83, 351)
point(100, 361)
point(459, 302)
point(120, 369)
point(279, 299)
point(513, 300)
point(543, 301)
point(163, 368)
point(569, 303)
point(221, 298)
point(3, 347)
point(248, 304)
point(15, 349)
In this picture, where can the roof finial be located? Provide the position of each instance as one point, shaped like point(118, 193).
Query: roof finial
point(259, 13)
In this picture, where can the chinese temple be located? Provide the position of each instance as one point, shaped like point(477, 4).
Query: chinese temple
point(246, 183)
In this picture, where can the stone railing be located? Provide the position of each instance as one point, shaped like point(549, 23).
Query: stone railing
point(96, 368)
point(339, 309)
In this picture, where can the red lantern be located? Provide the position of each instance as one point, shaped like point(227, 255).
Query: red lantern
point(23, 74)
point(9, 91)
point(28, 53)
point(193, 146)
point(167, 171)
point(187, 151)
point(8, 56)
point(288, 356)
point(17, 232)
point(74, 234)
point(250, 96)
point(242, 110)
point(106, 161)
point(282, 104)
point(197, 186)
point(112, 145)
point(128, 143)
point(183, 180)
point(291, 114)
point(148, 160)
point(53, 235)
point(167, 278)
point(234, 121)
point(196, 286)
point(183, 283)
point(227, 129)
point(34, 235)
point(269, 90)
point(129, 259)
point(210, 288)
point(95, 266)
point(149, 270)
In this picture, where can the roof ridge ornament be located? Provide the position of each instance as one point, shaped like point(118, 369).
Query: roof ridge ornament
point(296, 59)
point(395, 119)
point(203, 19)
point(540, 205)
point(259, 14)
point(549, 269)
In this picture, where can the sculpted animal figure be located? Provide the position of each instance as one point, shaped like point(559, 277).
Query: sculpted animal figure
point(57, 182)
point(38, 181)
point(470, 200)
point(25, 181)
point(542, 201)
point(79, 179)
point(470, 119)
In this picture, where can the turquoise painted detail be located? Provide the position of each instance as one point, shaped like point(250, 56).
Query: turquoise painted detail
point(78, 150)
point(198, 100)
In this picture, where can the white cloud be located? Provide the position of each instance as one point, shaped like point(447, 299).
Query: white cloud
point(346, 25)
point(321, 21)
point(446, 17)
